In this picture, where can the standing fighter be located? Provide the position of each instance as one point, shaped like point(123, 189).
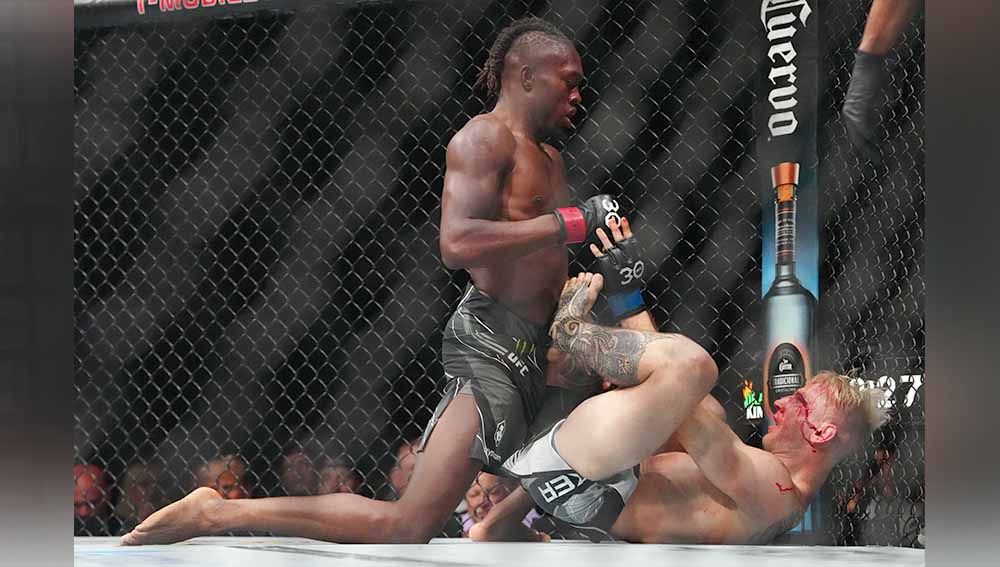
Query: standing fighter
point(506, 221)
point(705, 485)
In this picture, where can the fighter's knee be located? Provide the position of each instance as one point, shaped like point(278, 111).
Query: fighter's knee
point(702, 366)
point(694, 361)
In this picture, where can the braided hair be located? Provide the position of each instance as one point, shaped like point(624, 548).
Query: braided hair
point(535, 31)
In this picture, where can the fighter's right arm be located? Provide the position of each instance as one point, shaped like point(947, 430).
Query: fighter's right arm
point(479, 158)
point(886, 21)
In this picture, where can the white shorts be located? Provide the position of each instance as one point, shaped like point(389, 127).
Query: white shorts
point(562, 492)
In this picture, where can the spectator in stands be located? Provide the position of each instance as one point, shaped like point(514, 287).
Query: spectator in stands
point(139, 496)
point(885, 506)
point(227, 475)
point(486, 491)
point(406, 459)
point(337, 475)
point(91, 490)
point(298, 474)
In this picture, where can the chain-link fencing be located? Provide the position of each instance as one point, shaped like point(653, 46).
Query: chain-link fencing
point(872, 300)
point(259, 292)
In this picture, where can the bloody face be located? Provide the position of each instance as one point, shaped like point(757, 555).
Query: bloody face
point(797, 418)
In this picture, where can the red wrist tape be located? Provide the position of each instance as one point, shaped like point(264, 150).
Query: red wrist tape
point(576, 225)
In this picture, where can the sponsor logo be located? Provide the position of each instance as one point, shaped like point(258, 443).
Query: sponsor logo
point(753, 402)
point(172, 5)
point(499, 433)
point(501, 352)
point(908, 383)
point(781, 18)
point(518, 363)
point(524, 346)
point(560, 486)
point(794, 381)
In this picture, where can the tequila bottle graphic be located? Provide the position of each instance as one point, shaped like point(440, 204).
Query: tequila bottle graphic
point(789, 308)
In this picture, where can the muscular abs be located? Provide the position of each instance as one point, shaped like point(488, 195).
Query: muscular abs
point(529, 285)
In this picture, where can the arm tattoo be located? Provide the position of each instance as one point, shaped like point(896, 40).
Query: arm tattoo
point(573, 375)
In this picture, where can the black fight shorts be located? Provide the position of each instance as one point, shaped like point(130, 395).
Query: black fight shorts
point(499, 358)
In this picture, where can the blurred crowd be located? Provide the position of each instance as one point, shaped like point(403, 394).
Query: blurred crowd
point(886, 505)
point(106, 505)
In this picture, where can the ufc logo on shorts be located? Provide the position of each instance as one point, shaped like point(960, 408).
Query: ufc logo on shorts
point(522, 367)
point(559, 486)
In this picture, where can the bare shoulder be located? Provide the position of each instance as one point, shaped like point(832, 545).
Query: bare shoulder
point(774, 507)
point(764, 460)
point(483, 138)
point(553, 153)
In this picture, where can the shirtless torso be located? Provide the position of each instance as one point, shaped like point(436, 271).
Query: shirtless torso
point(532, 183)
point(675, 503)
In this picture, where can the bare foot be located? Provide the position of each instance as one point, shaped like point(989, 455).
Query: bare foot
point(506, 531)
point(179, 521)
point(578, 296)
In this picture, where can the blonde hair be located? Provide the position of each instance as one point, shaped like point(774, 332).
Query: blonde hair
point(862, 407)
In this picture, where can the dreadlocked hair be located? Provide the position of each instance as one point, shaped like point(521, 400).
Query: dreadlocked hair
point(537, 30)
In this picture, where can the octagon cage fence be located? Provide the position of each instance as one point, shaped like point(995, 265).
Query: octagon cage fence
point(257, 207)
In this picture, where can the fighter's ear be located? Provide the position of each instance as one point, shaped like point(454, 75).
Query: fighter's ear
point(823, 433)
point(527, 78)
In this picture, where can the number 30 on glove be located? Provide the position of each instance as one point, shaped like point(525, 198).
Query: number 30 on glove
point(622, 268)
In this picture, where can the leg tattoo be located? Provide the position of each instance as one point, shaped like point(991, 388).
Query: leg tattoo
point(611, 353)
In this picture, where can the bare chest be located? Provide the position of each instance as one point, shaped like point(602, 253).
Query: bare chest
point(678, 474)
point(699, 512)
point(703, 512)
point(535, 186)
